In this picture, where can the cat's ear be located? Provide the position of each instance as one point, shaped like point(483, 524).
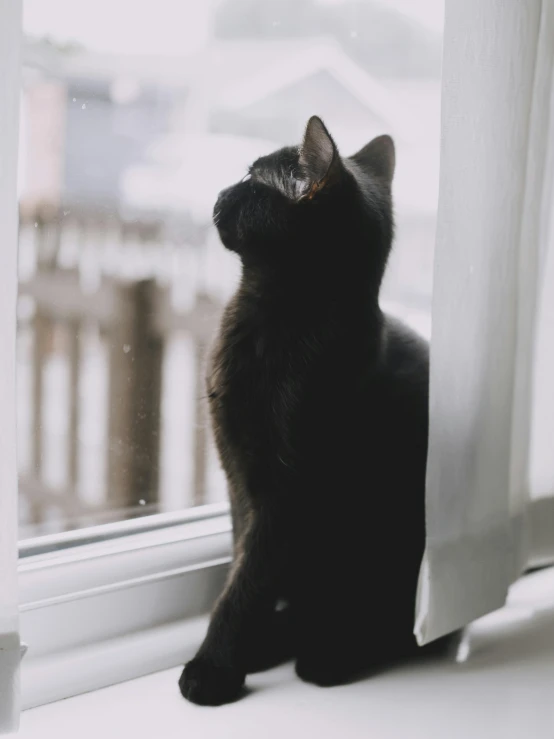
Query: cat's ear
point(378, 158)
point(319, 158)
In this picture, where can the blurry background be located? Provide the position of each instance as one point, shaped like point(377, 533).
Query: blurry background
point(133, 117)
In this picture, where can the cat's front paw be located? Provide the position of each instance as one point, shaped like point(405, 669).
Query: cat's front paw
point(207, 684)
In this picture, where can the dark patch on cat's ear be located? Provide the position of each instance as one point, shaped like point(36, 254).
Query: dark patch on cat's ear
point(319, 157)
point(378, 157)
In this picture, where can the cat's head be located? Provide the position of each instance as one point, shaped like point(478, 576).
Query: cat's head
point(306, 207)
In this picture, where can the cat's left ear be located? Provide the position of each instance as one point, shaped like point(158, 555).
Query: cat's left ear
point(378, 157)
point(319, 158)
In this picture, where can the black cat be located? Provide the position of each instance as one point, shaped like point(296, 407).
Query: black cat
point(319, 406)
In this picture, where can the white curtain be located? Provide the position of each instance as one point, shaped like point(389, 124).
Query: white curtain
point(491, 446)
point(9, 107)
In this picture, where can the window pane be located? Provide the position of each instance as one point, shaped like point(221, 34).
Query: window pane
point(129, 128)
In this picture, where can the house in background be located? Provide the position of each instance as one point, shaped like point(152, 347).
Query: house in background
point(86, 119)
point(114, 123)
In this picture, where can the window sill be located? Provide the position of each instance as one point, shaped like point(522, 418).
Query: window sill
point(503, 690)
point(89, 668)
point(104, 612)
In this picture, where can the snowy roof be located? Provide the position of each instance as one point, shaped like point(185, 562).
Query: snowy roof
point(304, 59)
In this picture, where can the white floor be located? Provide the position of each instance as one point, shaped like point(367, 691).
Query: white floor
point(503, 690)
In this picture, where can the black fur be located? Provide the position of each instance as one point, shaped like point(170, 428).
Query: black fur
point(319, 406)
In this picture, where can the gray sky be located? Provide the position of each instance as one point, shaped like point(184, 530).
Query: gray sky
point(172, 27)
point(430, 13)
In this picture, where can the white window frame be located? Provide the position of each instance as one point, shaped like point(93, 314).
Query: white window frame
point(10, 14)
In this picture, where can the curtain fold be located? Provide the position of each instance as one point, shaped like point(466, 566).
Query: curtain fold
point(493, 310)
point(10, 24)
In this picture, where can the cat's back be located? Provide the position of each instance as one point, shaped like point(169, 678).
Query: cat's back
point(401, 401)
point(405, 355)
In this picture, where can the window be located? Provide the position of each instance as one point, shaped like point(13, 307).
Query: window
point(128, 131)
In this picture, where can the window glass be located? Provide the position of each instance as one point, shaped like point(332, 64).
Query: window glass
point(133, 117)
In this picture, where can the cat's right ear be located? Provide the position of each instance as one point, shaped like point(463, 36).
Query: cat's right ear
point(319, 158)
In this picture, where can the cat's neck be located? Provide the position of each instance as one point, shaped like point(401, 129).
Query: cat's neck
point(314, 280)
point(306, 295)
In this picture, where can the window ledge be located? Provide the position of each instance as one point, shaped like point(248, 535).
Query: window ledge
point(511, 655)
point(109, 611)
point(89, 668)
